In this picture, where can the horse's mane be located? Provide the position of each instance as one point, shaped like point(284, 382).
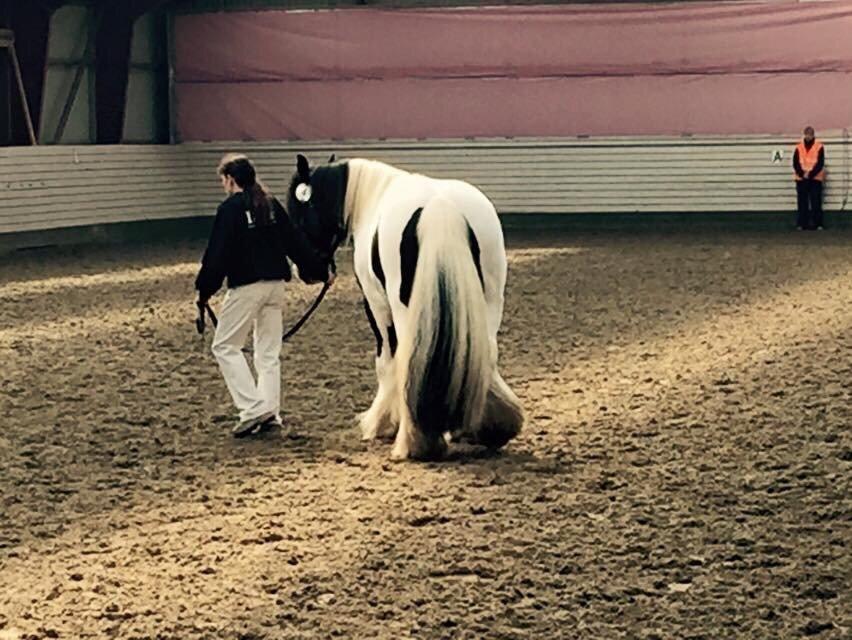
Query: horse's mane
point(368, 179)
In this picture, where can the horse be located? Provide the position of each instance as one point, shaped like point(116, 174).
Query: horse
point(430, 261)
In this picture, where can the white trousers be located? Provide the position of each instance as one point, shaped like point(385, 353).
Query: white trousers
point(256, 306)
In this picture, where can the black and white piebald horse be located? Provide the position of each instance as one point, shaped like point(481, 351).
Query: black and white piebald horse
point(431, 263)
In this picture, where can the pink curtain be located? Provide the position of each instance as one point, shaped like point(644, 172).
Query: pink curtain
point(514, 71)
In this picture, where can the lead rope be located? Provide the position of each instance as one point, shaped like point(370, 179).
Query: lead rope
point(295, 328)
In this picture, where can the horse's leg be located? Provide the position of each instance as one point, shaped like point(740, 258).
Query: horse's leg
point(503, 416)
point(411, 442)
point(381, 419)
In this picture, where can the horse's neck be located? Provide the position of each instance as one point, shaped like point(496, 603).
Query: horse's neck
point(368, 180)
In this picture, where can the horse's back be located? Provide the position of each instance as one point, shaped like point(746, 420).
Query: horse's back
point(411, 193)
point(414, 191)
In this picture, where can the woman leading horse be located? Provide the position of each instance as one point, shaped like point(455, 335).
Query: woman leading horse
point(251, 240)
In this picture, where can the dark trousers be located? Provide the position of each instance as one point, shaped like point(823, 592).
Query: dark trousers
point(809, 196)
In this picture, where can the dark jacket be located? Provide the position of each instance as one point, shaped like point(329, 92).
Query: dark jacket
point(244, 250)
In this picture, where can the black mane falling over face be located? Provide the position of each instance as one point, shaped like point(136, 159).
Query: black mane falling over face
point(321, 219)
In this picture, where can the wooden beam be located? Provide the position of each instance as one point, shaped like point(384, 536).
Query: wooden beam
point(92, 27)
point(30, 26)
point(7, 42)
point(23, 93)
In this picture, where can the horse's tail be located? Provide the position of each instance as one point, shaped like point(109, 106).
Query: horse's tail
point(448, 351)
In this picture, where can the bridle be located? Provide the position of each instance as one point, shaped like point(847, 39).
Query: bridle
point(336, 240)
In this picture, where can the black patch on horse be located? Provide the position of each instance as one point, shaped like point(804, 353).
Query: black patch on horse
point(375, 327)
point(392, 339)
point(409, 249)
point(376, 261)
point(474, 252)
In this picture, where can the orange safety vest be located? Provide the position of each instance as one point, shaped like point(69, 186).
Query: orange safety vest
point(808, 160)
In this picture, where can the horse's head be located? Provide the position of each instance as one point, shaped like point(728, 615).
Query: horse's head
point(315, 202)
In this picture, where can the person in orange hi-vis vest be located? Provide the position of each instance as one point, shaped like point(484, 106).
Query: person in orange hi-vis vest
point(809, 172)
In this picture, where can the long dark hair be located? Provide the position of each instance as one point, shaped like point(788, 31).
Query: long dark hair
point(241, 169)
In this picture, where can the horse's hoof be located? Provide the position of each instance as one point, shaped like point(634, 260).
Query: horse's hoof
point(387, 433)
point(431, 451)
point(369, 430)
point(399, 453)
point(383, 428)
point(495, 437)
point(367, 436)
